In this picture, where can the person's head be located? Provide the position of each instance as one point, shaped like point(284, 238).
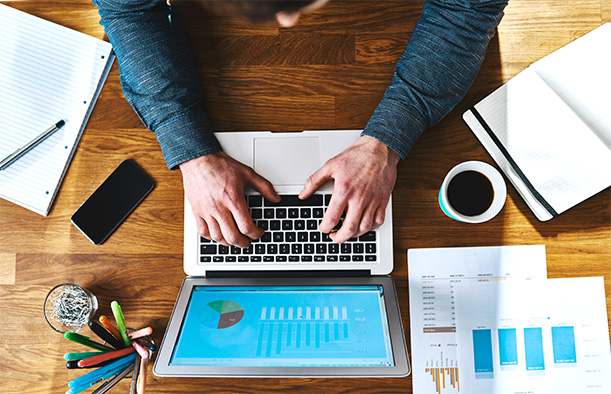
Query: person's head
point(286, 12)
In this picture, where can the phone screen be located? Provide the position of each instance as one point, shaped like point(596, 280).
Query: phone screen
point(112, 202)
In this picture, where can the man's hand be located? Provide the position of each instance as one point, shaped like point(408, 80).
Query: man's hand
point(214, 185)
point(364, 175)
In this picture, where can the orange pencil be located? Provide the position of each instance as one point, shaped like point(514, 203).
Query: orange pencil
point(107, 325)
point(94, 360)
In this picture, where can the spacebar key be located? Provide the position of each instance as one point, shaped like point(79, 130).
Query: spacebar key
point(294, 201)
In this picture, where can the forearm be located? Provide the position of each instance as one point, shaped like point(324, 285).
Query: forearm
point(158, 76)
point(440, 62)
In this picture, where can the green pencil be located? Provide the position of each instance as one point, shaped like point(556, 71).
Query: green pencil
point(80, 356)
point(83, 340)
point(116, 311)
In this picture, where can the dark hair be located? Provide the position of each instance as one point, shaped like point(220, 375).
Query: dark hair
point(254, 10)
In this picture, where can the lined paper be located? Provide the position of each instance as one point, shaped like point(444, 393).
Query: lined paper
point(47, 73)
point(554, 121)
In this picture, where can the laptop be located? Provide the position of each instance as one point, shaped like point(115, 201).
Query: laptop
point(292, 241)
point(294, 304)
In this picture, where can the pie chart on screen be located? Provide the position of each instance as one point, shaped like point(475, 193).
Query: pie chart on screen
point(221, 314)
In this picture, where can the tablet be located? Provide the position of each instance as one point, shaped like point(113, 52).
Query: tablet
point(297, 327)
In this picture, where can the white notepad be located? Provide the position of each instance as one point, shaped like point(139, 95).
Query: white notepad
point(47, 73)
point(549, 127)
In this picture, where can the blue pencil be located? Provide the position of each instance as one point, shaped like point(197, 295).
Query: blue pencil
point(94, 376)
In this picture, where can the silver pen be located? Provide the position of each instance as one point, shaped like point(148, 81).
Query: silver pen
point(10, 159)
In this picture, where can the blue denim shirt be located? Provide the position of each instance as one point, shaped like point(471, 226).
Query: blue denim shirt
point(159, 79)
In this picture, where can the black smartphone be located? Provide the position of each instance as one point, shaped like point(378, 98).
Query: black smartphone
point(112, 202)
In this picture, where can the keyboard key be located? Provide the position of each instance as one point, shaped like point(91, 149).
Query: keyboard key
point(268, 259)
point(255, 201)
point(296, 248)
point(318, 213)
point(208, 249)
point(357, 258)
point(370, 248)
point(204, 240)
point(236, 250)
point(346, 248)
point(274, 225)
point(332, 258)
point(370, 257)
point(344, 258)
point(259, 249)
point(268, 213)
point(293, 213)
point(278, 237)
point(306, 258)
point(326, 238)
point(308, 248)
point(302, 236)
point(223, 249)
point(256, 213)
point(218, 259)
point(315, 236)
point(305, 213)
point(294, 201)
point(255, 259)
point(248, 250)
point(358, 248)
point(230, 259)
point(263, 224)
point(321, 248)
point(319, 258)
point(287, 225)
point(243, 259)
point(281, 213)
point(285, 249)
point(333, 248)
point(299, 224)
point(312, 224)
point(266, 237)
point(290, 236)
point(293, 259)
point(327, 199)
point(205, 259)
point(368, 237)
point(280, 258)
point(272, 249)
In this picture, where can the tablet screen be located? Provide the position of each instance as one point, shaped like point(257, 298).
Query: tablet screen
point(285, 326)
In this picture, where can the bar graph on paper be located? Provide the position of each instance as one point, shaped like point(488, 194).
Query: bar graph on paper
point(302, 329)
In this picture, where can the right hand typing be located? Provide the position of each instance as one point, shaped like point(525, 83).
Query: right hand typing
point(214, 185)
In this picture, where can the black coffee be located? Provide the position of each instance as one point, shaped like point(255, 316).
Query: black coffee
point(470, 193)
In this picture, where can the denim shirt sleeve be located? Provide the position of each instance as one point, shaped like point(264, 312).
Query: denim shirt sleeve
point(440, 62)
point(158, 76)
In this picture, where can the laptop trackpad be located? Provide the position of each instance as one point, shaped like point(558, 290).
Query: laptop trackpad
point(287, 160)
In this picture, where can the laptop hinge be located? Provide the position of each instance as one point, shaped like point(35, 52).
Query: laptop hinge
point(289, 274)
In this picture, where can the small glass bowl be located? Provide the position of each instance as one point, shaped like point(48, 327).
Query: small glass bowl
point(69, 307)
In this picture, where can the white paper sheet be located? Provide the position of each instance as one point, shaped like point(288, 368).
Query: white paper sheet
point(47, 73)
point(538, 336)
point(432, 274)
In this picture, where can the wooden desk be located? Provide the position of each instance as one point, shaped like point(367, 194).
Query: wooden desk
point(328, 72)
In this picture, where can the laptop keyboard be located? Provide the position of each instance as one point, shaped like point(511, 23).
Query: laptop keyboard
point(292, 236)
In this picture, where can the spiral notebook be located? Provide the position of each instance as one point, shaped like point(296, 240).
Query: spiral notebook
point(47, 73)
point(549, 127)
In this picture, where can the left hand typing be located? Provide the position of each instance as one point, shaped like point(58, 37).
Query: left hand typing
point(364, 176)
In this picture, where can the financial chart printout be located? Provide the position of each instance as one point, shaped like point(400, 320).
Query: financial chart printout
point(433, 274)
point(539, 336)
point(310, 326)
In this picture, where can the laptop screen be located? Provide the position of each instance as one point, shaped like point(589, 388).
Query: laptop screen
point(285, 326)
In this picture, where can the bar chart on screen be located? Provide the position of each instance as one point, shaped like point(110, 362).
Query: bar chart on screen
point(537, 336)
point(303, 328)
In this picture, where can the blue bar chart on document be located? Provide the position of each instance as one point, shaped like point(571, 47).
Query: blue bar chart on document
point(322, 326)
point(549, 336)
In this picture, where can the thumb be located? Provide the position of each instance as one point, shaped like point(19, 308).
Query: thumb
point(315, 181)
point(263, 186)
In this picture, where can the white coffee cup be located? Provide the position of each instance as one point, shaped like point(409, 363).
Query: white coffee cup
point(471, 213)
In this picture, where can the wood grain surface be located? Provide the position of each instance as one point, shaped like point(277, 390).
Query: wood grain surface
point(328, 72)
